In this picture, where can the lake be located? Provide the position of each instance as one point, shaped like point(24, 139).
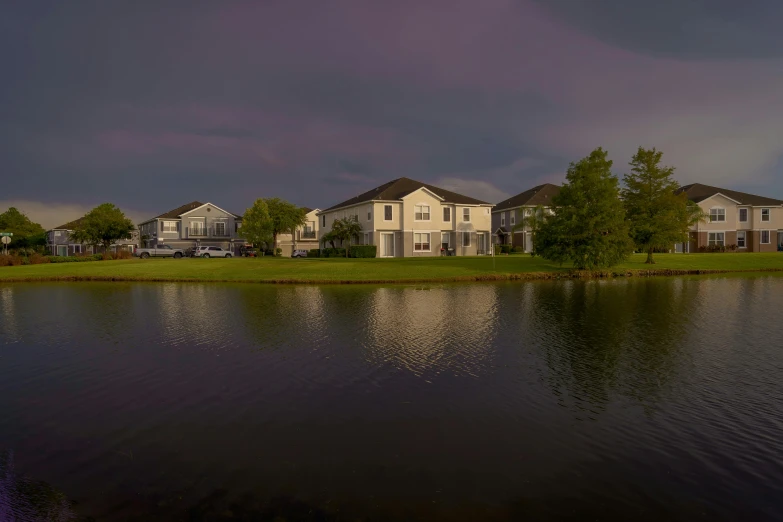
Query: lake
point(639, 399)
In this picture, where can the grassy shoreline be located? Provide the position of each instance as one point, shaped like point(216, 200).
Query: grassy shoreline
point(381, 271)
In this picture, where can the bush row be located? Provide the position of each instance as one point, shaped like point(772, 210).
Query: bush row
point(358, 251)
point(508, 249)
point(37, 259)
point(718, 248)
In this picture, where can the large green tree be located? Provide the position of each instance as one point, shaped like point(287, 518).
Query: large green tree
point(658, 216)
point(257, 224)
point(104, 225)
point(26, 233)
point(285, 217)
point(587, 226)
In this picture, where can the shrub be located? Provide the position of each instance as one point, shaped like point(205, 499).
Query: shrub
point(333, 252)
point(10, 260)
point(363, 251)
point(106, 257)
point(37, 259)
point(122, 254)
point(314, 252)
point(505, 249)
point(75, 259)
point(278, 251)
point(518, 249)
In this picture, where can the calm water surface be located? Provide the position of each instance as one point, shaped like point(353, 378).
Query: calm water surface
point(612, 400)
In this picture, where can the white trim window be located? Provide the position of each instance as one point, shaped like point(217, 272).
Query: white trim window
point(77, 249)
point(369, 214)
point(368, 238)
point(421, 212)
point(502, 219)
point(220, 228)
point(717, 215)
point(513, 217)
point(765, 212)
point(421, 242)
point(446, 214)
point(466, 214)
point(169, 226)
point(765, 237)
point(57, 233)
point(716, 238)
point(743, 215)
point(466, 239)
point(741, 239)
point(388, 213)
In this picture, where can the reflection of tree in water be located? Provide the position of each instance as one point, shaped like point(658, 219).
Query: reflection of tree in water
point(605, 337)
point(23, 499)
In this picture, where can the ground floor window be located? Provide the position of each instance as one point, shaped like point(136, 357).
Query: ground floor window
point(445, 240)
point(368, 238)
point(421, 242)
point(466, 239)
point(716, 238)
point(765, 237)
point(741, 239)
point(77, 249)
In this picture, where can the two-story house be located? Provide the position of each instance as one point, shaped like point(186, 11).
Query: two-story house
point(508, 216)
point(192, 225)
point(408, 218)
point(752, 223)
point(305, 237)
point(60, 243)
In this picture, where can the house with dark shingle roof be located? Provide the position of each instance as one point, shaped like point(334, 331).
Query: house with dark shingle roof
point(60, 243)
point(508, 215)
point(191, 225)
point(305, 237)
point(751, 223)
point(409, 218)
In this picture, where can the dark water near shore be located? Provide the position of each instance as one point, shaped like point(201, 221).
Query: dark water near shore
point(658, 399)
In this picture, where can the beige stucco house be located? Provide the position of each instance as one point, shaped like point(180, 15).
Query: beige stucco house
point(305, 238)
point(408, 218)
point(752, 223)
point(508, 216)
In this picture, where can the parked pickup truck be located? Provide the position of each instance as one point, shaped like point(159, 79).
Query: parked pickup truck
point(159, 251)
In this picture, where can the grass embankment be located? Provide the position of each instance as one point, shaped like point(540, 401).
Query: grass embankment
point(408, 270)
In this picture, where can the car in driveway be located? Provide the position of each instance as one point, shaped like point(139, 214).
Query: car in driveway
point(211, 251)
point(159, 251)
point(299, 253)
point(248, 252)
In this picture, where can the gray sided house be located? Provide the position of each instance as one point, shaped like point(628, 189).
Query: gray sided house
point(192, 225)
point(60, 243)
point(508, 216)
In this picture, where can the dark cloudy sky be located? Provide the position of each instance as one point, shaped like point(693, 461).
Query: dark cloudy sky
point(154, 104)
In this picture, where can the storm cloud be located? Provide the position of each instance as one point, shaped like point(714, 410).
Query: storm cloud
point(150, 105)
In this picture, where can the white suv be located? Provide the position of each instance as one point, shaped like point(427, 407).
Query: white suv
point(210, 251)
point(299, 253)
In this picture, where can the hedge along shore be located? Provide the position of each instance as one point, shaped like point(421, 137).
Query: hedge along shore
point(525, 276)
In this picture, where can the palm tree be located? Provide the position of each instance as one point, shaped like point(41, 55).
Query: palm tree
point(346, 230)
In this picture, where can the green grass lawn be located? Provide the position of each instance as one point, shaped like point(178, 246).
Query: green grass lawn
point(316, 269)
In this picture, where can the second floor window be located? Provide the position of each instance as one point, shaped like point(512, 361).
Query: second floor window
point(387, 212)
point(717, 215)
point(220, 228)
point(447, 215)
point(743, 215)
point(503, 219)
point(513, 218)
point(764, 214)
point(421, 213)
point(466, 214)
point(323, 220)
point(169, 226)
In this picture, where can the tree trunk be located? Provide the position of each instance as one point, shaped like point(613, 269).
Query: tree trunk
point(274, 244)
point(650, 257)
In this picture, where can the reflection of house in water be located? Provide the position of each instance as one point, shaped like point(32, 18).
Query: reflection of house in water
point(8, 319)
point(196, 314)
point(433, 330)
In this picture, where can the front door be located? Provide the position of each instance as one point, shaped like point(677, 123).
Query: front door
point(481, 245)
point(387, 244)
